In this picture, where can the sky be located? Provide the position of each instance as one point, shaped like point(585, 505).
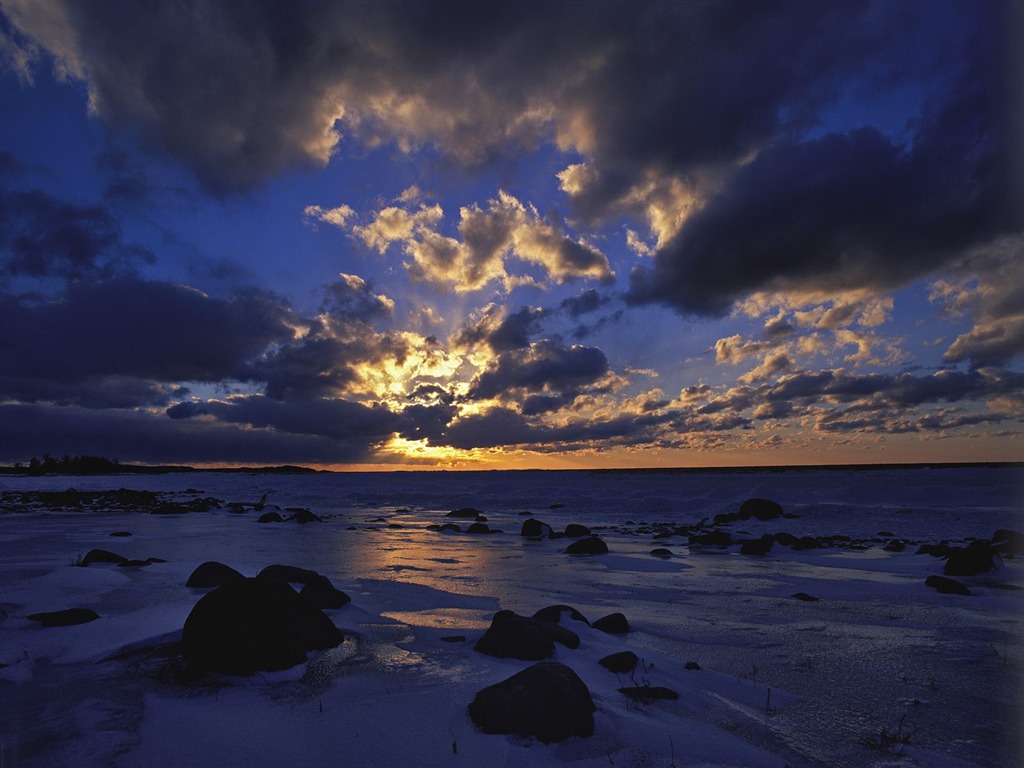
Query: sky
point(386, 235)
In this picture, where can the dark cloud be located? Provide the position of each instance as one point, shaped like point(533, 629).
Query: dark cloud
point(98, 391)
point(127, 327)
point(134, 435)
point(515, 330)
point(46, 237)
point(339, 420)
point(852, 210)
point(506, 427)
point(245, 91)
point(586, 302)
point(544, 365)
point(502, 332)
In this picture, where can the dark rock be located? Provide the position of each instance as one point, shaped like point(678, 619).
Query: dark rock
point(661, 552)
point(121, 534)
point(304, 516)
point(935, 550)
point(711, 539)
point(452, 527)
point(554, 613)
point(621, 662)
point(453, 639)
point(759, 547)
point(547, 701)
point(155, 560)
point(646, 694)
point(102, 556)
point(512, 636)
point(946, 586)
point(134, 563)
point(805, 597)
point(613, 623)
point(589, 546)
point(465, 512)
point(693, 666)
point(212, 574)
point(576, 531)
point(320, 593)
point(785, 539)
point(65, 618)
point(1008, 542)
point(534, 528)
point(478, 528)
point(254, 624)
point(895, 546)
point(270, 517)
point(287, 573)
point(976, 557)
point(556, 505)
point(762, 509)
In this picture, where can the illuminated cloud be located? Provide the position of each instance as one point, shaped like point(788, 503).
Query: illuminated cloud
point(489, 238)
point(337, 217)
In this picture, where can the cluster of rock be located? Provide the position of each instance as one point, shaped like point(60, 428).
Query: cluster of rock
point(548, 700)
point(149, 502)
point(479, 524)
point(94, 556)
point(245, 625)
point(587, 543)
point(978, 557)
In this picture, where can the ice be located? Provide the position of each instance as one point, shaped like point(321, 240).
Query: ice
point(877, 649)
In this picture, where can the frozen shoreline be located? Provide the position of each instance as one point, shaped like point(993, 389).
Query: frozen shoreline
point(878, 646)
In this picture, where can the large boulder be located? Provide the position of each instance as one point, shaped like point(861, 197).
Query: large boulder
point(547, 701)
point(589, 546)
point(534, 529)
point(621, 662)
point(466, 513)
point(102, 556)
point(613, 623)
point(303, 516)
point(576, 531)
point(512, 636)
point(947, 586)
point(762, 509)
point(256, 624)
point(212, 574)
point(975, 558)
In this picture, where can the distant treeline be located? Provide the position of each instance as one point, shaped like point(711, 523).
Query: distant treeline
point(69, 465)
point(98, 465)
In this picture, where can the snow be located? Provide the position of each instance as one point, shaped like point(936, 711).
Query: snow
point(877, 647)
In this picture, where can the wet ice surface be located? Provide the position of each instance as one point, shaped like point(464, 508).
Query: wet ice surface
point(877, 649)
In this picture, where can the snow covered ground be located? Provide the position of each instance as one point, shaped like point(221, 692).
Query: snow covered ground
point(877, 660)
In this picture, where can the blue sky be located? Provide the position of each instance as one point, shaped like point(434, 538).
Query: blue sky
point(475, 235)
